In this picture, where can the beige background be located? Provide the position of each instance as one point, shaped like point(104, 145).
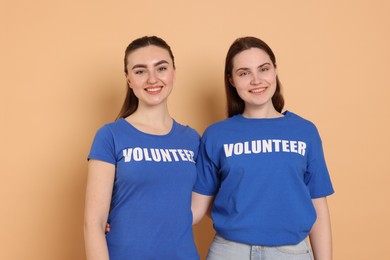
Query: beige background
point(61, 79)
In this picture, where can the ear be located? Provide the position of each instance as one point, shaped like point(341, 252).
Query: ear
point(128, 80)
point(231, 81)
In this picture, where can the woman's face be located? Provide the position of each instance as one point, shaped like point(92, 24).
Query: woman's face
point(254, 77)
point(150, 74)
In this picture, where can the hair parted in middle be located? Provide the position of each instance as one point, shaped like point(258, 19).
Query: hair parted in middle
point(235, 105)
point(130, 104)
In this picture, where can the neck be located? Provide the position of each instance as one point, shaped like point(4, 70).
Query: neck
point(261, 112)
point(152, 120)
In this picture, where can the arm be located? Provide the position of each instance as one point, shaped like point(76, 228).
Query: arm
point(321, 233)
point(97, 204)
point(199, 206)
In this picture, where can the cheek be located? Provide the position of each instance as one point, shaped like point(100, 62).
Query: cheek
point(272, 77)
point(240, 85)
point(169, 78)
point(241, 88)
point(137, 80)
point(238, 82)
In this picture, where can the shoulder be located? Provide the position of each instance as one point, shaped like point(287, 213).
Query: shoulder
point(117, 124)
point(304, 126)
point(186, 130)
point(299, 120)
point(221, 129)
point(217, 126)
point(110, 129)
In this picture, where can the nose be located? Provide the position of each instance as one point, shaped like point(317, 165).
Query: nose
point(152, 77)
point(256, 79)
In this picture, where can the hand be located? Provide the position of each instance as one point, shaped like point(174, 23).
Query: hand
point(107, 228)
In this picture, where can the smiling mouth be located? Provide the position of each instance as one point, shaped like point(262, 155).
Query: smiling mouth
point(258, 90)
point(153, 89)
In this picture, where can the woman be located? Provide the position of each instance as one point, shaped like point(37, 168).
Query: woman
point(141, 168)
point(264, 168)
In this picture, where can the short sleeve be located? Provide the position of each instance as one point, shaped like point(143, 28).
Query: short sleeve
point(317, 176)
point(208, 181)
point(103, 146)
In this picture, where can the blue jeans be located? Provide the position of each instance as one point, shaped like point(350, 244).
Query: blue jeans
point(222, 249)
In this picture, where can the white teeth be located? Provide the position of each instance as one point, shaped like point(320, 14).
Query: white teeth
point(258, 90)
point(153, 89)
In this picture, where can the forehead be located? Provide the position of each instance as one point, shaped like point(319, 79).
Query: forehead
point(148, 55)
point(252, 56)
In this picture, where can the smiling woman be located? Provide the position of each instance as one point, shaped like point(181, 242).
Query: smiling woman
point(150, 75)
point(131, 102)
point(263, 169)
point(251, 63)
point(142, 168)
point(254, 77)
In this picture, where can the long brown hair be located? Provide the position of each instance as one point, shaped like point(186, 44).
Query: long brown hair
point(235, 105)
point(130, 104)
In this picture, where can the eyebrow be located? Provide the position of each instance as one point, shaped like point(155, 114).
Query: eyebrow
point(155, 65)
point(262, 65)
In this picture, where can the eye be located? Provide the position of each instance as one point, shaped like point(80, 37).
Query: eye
point(264, 69)
point(243, 73)
point(139, 72)
point(163, 68)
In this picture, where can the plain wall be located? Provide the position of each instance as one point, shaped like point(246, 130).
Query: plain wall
point(61, 66)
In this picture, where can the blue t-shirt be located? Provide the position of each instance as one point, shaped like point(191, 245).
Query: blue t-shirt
point(264, 174)
point(150, 214)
